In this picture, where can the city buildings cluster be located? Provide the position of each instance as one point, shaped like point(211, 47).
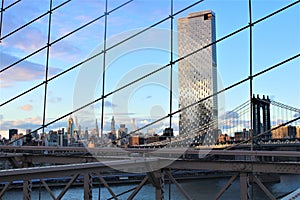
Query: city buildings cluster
point(74, 135)
point(283, 132)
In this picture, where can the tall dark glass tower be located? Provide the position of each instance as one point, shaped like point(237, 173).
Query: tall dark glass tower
point(198, 72)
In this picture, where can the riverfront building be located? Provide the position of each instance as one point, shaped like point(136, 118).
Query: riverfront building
point(197, 73)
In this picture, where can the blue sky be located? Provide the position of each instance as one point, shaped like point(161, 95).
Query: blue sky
point(274, 40)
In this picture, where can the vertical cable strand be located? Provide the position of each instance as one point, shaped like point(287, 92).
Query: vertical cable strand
point(171, 61)
point(251, 82)
point(103, 71)
point(1, 17)
point(47, 65)
point(250, 66)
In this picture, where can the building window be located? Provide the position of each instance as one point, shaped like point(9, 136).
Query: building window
point(207, 16)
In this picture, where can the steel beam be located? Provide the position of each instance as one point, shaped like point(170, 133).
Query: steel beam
point(157, 180)
point(69, 170)
point(228, 184)
point(4, 189)
point(244, 179)
point(186, 196)
point(58, 159)
point(125, 151)
point(160, 189)
point(57, 154)
point(152, 176)
point(13, 161)
point(255, 153)
point(88, 186)
point(239, 166)
point(27, 188)
point(107, 186)
point(63, 192)
point(263, 187)
point(48, 189)
point(242, 167)
point(139, 187)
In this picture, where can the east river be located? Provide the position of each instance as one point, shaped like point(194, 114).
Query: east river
point(197, 189)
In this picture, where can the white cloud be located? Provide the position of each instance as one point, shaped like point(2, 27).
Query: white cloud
point(24, 71)
point(31, 122)
point(28, 41)
point(65, 50)
point(55, 99)
point(144, 122)
point(83, 18)
point(109, 104)
point(31, 39)
point(26, 107)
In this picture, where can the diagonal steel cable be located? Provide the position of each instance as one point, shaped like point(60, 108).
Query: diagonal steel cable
point(10, 5)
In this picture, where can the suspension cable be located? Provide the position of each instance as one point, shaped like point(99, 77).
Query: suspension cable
point(47, 65)
point(103, 71)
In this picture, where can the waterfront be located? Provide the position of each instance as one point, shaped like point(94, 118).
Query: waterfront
point(197, 189)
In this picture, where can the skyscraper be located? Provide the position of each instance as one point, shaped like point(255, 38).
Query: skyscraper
point(112, 125)
point(97, 128)
point(197, 73)
point(12, 132)
point(70, 129)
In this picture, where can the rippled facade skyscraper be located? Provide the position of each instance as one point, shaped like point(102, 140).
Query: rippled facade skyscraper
point(197, 73)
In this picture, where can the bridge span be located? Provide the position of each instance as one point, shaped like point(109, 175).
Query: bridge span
point(246, 170)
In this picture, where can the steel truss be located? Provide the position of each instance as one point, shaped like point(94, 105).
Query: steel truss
point(244, 169)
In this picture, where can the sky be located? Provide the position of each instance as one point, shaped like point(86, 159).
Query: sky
point(274, 40)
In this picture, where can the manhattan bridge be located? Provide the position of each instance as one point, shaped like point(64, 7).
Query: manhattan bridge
point(244, 146)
